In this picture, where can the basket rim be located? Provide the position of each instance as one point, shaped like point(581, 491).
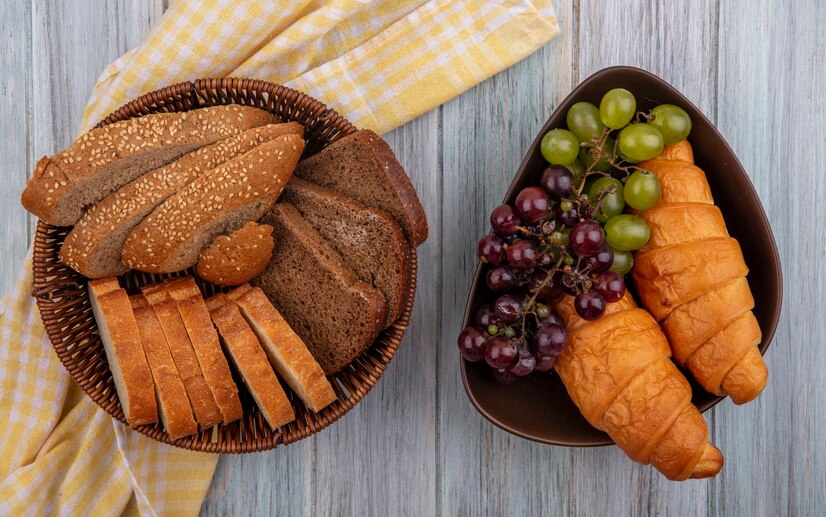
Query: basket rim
point(358, 378)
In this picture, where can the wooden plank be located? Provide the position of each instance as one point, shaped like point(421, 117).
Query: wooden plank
point(485, 132)
point(15, 106)
point(772, 73)
point(380, 458)
point(659, 38)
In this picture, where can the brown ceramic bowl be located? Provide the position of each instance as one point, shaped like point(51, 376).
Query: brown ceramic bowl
point(538, 407)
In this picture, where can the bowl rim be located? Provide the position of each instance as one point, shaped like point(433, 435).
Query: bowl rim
point(768, 334)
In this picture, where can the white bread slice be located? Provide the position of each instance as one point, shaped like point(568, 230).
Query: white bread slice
point(207, 348)
point(173, 403)
point(203, 405)
point(250, 360)
point(124, 352)
point(285, 350)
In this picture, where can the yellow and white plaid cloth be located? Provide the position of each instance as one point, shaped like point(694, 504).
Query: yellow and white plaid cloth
point(379, 63)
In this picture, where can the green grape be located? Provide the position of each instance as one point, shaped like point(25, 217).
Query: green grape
point(623, 261)
point(640, 142)
point(672, 121)
point(559, 146)
point(562, 236)
point(584, 122)
point(642, 190)
point(577, 168)
point(566, 205)
point(586, 155)
point(613, 203)
point(626, 232)
point(617, 107)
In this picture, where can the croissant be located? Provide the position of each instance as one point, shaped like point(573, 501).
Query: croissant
point(691, 276)
point(618, 372)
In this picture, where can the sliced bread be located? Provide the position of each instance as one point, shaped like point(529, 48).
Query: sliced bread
point(250, 361)
point(172, 236)
point(207, 348)
point(370, 241)
point(287, 353)
point(124, 352)
point(337, 315)
point(104, 159)
point(203, 404)
point(93, 247)
point(173, 404)
point(238, 257)
point(362, 166)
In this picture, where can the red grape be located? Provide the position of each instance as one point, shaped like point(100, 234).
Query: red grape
point(611, 286)
point(552, 318)
point(587, 238)
point(491, 249)
point(500, 352)
point(590, 305)
point(549, 294)
point(508, 308)
point(549, 340)
point(568, 217)
point(522, 255)
point(557, 181)
point(486, 315)
point(525, 364)
point(501, 279)
point(601, 260)
point(472, 343)
point(532, 204)
point(504, 220)
point(545, 363)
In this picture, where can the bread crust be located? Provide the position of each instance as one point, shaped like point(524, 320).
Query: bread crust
point(245, 351)
point(124, 351)
point(286, 351)
point(169, 239)
point(207, 347)
point(238, 257)
point(57, 176)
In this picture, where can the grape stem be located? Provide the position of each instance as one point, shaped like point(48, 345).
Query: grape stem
point(532, 300)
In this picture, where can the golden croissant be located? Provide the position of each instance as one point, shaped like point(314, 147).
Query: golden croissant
point(618, 372)
point(691, 277)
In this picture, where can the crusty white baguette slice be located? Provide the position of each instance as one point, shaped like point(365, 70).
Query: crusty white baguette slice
point(250, 360)
point(104, 159)
point(203, 404)
point(94, 245)
point(287, 353)
point(173, 404)
point(225, 199)
point(207, 348)
point(124, 352)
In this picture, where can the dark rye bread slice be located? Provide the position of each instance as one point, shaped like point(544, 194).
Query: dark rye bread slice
point(93, 247)
point(243, 189)
point(362, 166)
point(369, 241)
point(337, 315)
point(104, 159)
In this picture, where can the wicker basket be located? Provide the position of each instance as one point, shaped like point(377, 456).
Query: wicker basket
point(64, 303)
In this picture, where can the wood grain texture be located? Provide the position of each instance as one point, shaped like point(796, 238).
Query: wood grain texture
point(415, 446)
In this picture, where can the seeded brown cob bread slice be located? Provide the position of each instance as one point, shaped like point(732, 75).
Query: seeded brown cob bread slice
point(362, 166)
point(173, 404)
point(369, 241)
point(203, 404)
point(124, 352)
point(238, 257)
point(104, 159)
point(93, 247)
point(250, 361)
point(337, 315)
point(172, 236)
point(285, 350)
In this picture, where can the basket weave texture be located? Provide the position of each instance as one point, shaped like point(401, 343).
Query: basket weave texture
point(64, 306)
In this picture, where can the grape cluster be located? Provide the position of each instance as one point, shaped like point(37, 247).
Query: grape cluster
point(568, 234)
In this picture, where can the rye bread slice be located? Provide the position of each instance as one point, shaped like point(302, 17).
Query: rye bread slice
point(104, 159)
point(371, 243)
point(93, 247)
point(362, 166)
point(337, 315)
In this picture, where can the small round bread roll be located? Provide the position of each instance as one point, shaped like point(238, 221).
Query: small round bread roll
point(238, 257)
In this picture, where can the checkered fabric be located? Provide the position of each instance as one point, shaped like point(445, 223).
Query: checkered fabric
point(379, 63)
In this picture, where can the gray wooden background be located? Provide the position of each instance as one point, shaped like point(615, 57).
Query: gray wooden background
point(415, 446)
